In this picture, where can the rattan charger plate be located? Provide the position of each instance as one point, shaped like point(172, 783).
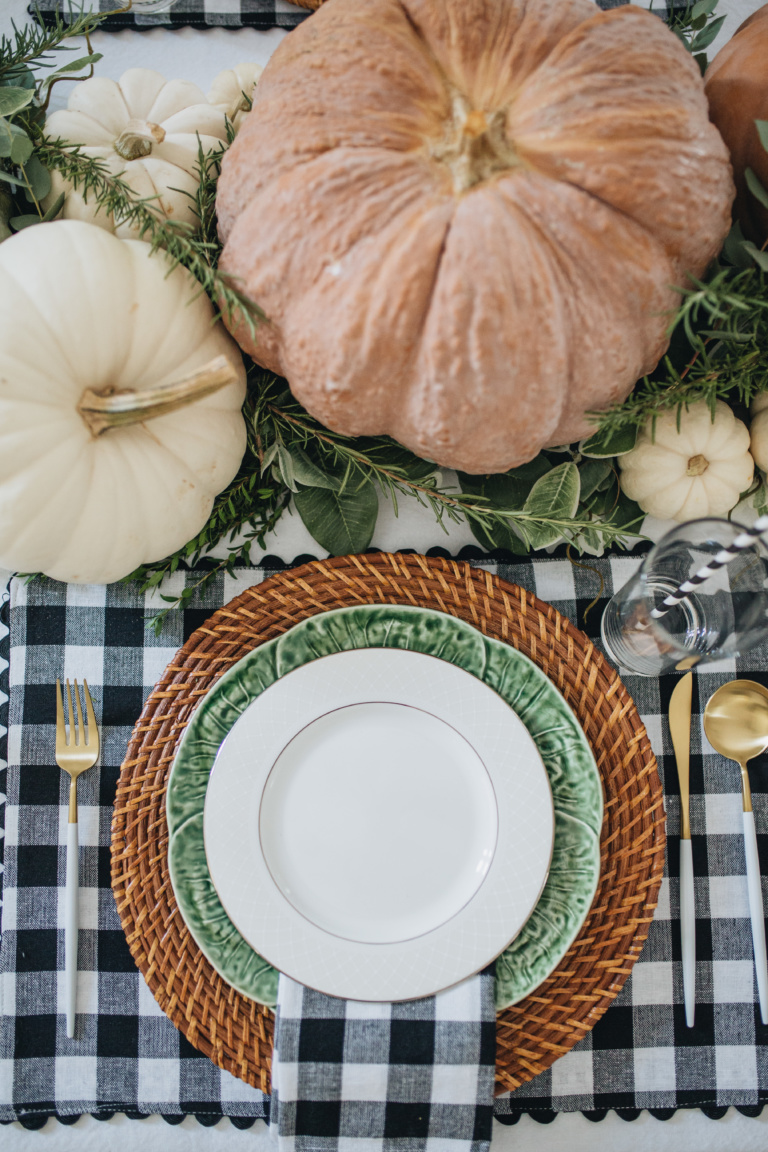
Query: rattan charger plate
point(235, 1032)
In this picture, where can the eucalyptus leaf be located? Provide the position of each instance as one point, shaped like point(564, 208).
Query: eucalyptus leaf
point(734, 250)
point(20, 222)
point(38, 178)
point(603, 444)
point(55, 208)
point(74, 66)
point(756, 187)
point(592, 473)
point(9, 133)
point(704, 38)
point(703, 8)
point(555, 495)
point(11, 179)
point(285, 466)
point(18, 77)
point(760, 258)
point(21, 148)
point(307, 473)
point(12, 100)
point(762, 131)
point(507, 491)
point(341, 522)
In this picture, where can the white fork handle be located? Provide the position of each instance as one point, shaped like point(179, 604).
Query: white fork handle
point(688, 930)
point(70, 926)
point(754, 887)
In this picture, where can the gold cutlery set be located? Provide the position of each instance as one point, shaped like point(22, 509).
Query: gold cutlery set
point(736, 725)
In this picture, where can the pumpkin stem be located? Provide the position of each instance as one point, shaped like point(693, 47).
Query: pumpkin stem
point(137, 138)
point(110, 408)
point(697, 466)
point(475, 146)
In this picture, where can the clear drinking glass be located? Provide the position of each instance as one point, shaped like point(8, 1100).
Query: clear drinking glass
point(724, 616)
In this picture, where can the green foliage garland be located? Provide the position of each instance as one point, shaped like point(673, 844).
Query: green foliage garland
point(719, 336)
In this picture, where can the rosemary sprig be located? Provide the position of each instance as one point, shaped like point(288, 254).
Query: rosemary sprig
point(91, 177)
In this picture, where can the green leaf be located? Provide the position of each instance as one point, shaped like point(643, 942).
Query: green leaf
point(733, 249)
point(308, 473)
point(19, 222)
point(12, 100)
point(285, 468)
point(760, 258)
point(75, 66)
point(18, 77)
point(556, 495)
point(704, 38)
point(616, 443)
point(21, 148)
point(627, 514)
point(507, 491)
point(703, 8)
point(756, 187)
point(592, 473)
point(341, 522)
point(11, 179)
point(38, 178)
point(55, 208)
point(762, 131)
point(9, 133)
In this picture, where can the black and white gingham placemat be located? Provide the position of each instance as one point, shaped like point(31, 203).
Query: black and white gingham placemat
point(235, 13)
point(128, 1057)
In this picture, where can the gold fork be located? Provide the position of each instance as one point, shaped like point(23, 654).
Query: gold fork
point(76, 751)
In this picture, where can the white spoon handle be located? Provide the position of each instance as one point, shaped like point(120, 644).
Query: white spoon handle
point(754, 887)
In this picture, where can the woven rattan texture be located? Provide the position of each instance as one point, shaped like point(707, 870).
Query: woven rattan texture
point(236, 1033)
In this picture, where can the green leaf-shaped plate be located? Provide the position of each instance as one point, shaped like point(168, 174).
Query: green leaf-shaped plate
point(573, 776)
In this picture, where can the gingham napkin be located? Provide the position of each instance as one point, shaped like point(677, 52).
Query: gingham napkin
point(128, 1057)
point(421, 1071)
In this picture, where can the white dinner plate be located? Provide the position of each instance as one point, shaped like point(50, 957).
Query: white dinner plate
point(378, 824)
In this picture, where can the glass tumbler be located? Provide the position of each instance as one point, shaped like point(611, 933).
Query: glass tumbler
point(724, 616)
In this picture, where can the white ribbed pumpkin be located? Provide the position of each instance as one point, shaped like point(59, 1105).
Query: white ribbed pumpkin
point(233, 90)
point(145, 129)
point(758, 430)
point(82, 314)
point(700, 470)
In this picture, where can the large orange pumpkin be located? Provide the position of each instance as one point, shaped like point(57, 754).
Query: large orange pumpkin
point(736, 84)
point(463, 217)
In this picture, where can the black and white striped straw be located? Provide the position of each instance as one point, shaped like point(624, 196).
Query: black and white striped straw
point(744, 540)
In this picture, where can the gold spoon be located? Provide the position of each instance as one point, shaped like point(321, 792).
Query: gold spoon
point(736, 725)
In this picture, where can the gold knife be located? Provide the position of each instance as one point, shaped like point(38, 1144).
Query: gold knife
point(680, 728)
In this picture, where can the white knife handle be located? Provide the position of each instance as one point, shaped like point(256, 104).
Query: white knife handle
point(754, 887)
point(70, 926)
point(688, 930)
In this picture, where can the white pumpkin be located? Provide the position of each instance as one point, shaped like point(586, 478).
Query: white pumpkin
point(700, 470)
point(232, 91)
point(758, 430)
point(84, 313)
point(143, 128)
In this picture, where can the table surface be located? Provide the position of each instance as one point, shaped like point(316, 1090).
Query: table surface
point(199, 55)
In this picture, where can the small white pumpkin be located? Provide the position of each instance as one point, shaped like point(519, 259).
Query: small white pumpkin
point(143, 128)
point(700, 470)
point(758, 430)
point(233, 89)
point(95, 333)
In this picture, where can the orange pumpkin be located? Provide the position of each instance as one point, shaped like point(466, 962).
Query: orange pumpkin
point(463, 217)
point(736, 84)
